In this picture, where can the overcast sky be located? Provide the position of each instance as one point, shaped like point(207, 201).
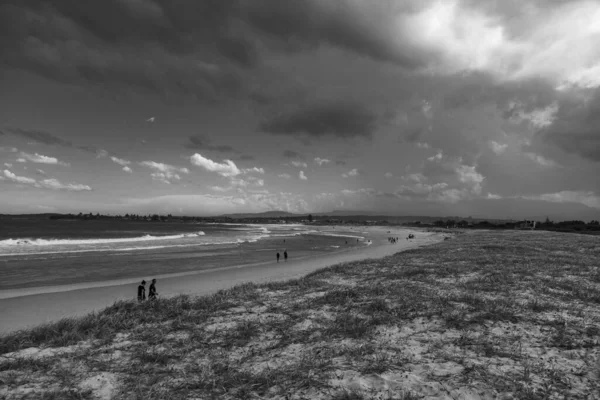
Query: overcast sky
point(466, 107)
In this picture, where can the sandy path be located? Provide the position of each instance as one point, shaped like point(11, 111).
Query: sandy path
point(30, 310)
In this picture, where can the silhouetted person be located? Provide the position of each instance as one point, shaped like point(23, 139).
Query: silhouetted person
point(277, 256)
point(142, 291)
point(152, 291)
point(285, 255)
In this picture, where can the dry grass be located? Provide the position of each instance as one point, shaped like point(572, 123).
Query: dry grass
point(484, 315)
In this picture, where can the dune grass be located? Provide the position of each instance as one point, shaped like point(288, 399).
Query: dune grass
point(484, 315)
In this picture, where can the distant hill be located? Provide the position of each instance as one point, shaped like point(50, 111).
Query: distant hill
point(267, 214)
point(358, 215)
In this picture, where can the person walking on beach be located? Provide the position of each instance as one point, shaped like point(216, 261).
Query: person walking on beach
point(285, 255)
point(152, 291)
point(277, 256)
point(142, 291)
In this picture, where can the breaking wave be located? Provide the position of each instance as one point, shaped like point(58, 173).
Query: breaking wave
point(59, 242)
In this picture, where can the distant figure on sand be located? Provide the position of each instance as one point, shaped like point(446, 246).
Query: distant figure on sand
point(277, 256)
point(142, 291)
point(285, 255)
point(152, 291)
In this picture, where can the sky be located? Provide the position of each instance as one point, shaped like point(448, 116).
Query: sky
point(482, 108)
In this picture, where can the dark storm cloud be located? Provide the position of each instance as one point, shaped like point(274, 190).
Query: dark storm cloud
point(413, 134)
point(576, 128)
point(360, 28)
point(205, 49)
point(49, 139)
point(38, 136)
point(199, 142)
point(343, 120)
point(184, 47)
point(94, 150)
point(292, 154)
point(475, 89)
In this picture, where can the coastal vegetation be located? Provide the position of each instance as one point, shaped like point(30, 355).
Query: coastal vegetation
point(488, 314)
point(572, 226)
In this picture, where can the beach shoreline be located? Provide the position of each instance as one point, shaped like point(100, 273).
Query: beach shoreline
point(24, 308)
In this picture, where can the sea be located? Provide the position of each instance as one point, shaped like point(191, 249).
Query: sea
point(39, 252)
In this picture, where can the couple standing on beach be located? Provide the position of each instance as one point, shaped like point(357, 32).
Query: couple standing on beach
point(151, 293)
point(284, 255)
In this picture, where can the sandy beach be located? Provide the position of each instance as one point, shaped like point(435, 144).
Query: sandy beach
point(484, 315)
point(33, 307)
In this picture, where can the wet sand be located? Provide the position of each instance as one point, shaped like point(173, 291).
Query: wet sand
point(58, 302)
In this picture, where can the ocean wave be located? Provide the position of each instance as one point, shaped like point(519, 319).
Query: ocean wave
point(63, 242)
point(342, 235)
point(127, 249)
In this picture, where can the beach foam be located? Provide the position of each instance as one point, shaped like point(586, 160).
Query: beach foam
point(55, 242)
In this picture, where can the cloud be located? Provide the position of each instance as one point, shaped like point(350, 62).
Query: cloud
point(497, 147)
point(322, 161)
point(362, 191)
point(421, 190)
point(468, 175)
point(239, 184)
point(221, 188)
point(199, 142)
point(540, 160)
point(123, 163)
point(164, 172)
point(342, 119)
point(253, 169)
point(52, 184)
point(8, 165)
point(197, 49)
point(43, 137)
point(292, 154)
point(436, 157)
point(284, 176)
point(352, 172)
point(227, 168)
point(416, 177)
point(18, 179)
point(208, 204)
point(8, 149)
point(100, 153)
point(208, 49)
point(575, 128)
point(120, 161)
point(256, 181)
point(590, 199)
point(39, 136)
point(299, 164)
point(41, 159)
point(388, 175)
point(301, 176)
